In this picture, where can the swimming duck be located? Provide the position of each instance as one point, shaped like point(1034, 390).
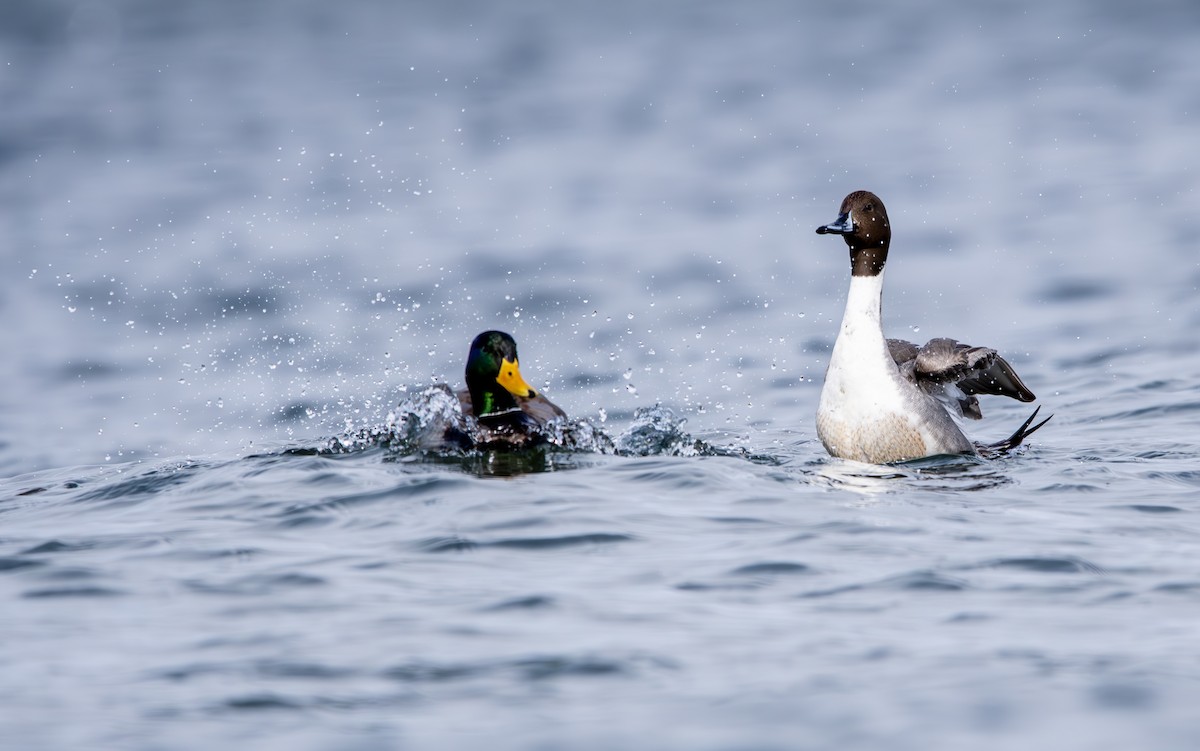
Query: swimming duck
point(509, 411)
point(887, 400)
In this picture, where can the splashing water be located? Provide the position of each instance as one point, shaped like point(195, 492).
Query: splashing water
point(419, 423)
point(431, 423)
point(657, 431)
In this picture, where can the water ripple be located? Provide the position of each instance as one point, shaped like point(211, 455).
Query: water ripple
point(459, 544)
point(128, 490)
point(1044, 565)
point(530, 602)
point(258, 585)
point(261, 701)
point(16, 564)
point(771, 569)
point(532, 668)
point(1149, 508)
point(80, 591)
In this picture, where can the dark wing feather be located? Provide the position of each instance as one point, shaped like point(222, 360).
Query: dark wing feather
point(935, 369)
point(948, 361)
point(950, 370)
point(901, 351)
point(540, 408)
point(999, 379)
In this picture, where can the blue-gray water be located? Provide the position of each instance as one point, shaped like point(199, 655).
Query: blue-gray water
point(232, 229)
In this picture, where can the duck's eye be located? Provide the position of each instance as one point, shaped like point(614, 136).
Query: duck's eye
point(869, 207)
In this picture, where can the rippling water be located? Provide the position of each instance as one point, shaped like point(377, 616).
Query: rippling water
point(237, 235)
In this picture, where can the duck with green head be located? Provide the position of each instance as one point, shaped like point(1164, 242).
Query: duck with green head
point(498, 396)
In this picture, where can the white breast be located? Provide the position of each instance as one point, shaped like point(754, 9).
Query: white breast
point(868, 412)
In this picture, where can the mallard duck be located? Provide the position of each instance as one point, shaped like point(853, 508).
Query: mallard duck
point(886, 400)
point(509, 411)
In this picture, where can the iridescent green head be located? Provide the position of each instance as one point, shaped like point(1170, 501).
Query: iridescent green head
point(493, 377)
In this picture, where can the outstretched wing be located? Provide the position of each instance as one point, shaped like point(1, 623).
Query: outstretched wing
point(953, 372)
point(998, 379)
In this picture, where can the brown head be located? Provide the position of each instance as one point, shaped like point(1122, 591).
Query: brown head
point(863, 224)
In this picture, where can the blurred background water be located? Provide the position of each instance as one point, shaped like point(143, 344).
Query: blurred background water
point(234, 228)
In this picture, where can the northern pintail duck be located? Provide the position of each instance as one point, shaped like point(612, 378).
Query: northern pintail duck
point(887, 400)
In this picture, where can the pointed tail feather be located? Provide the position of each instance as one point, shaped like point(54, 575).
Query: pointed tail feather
point(1014, 440)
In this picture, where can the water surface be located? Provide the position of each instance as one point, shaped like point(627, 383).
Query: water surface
point(234, 232)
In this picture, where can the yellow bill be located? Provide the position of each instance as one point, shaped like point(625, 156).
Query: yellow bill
point(510, 378)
